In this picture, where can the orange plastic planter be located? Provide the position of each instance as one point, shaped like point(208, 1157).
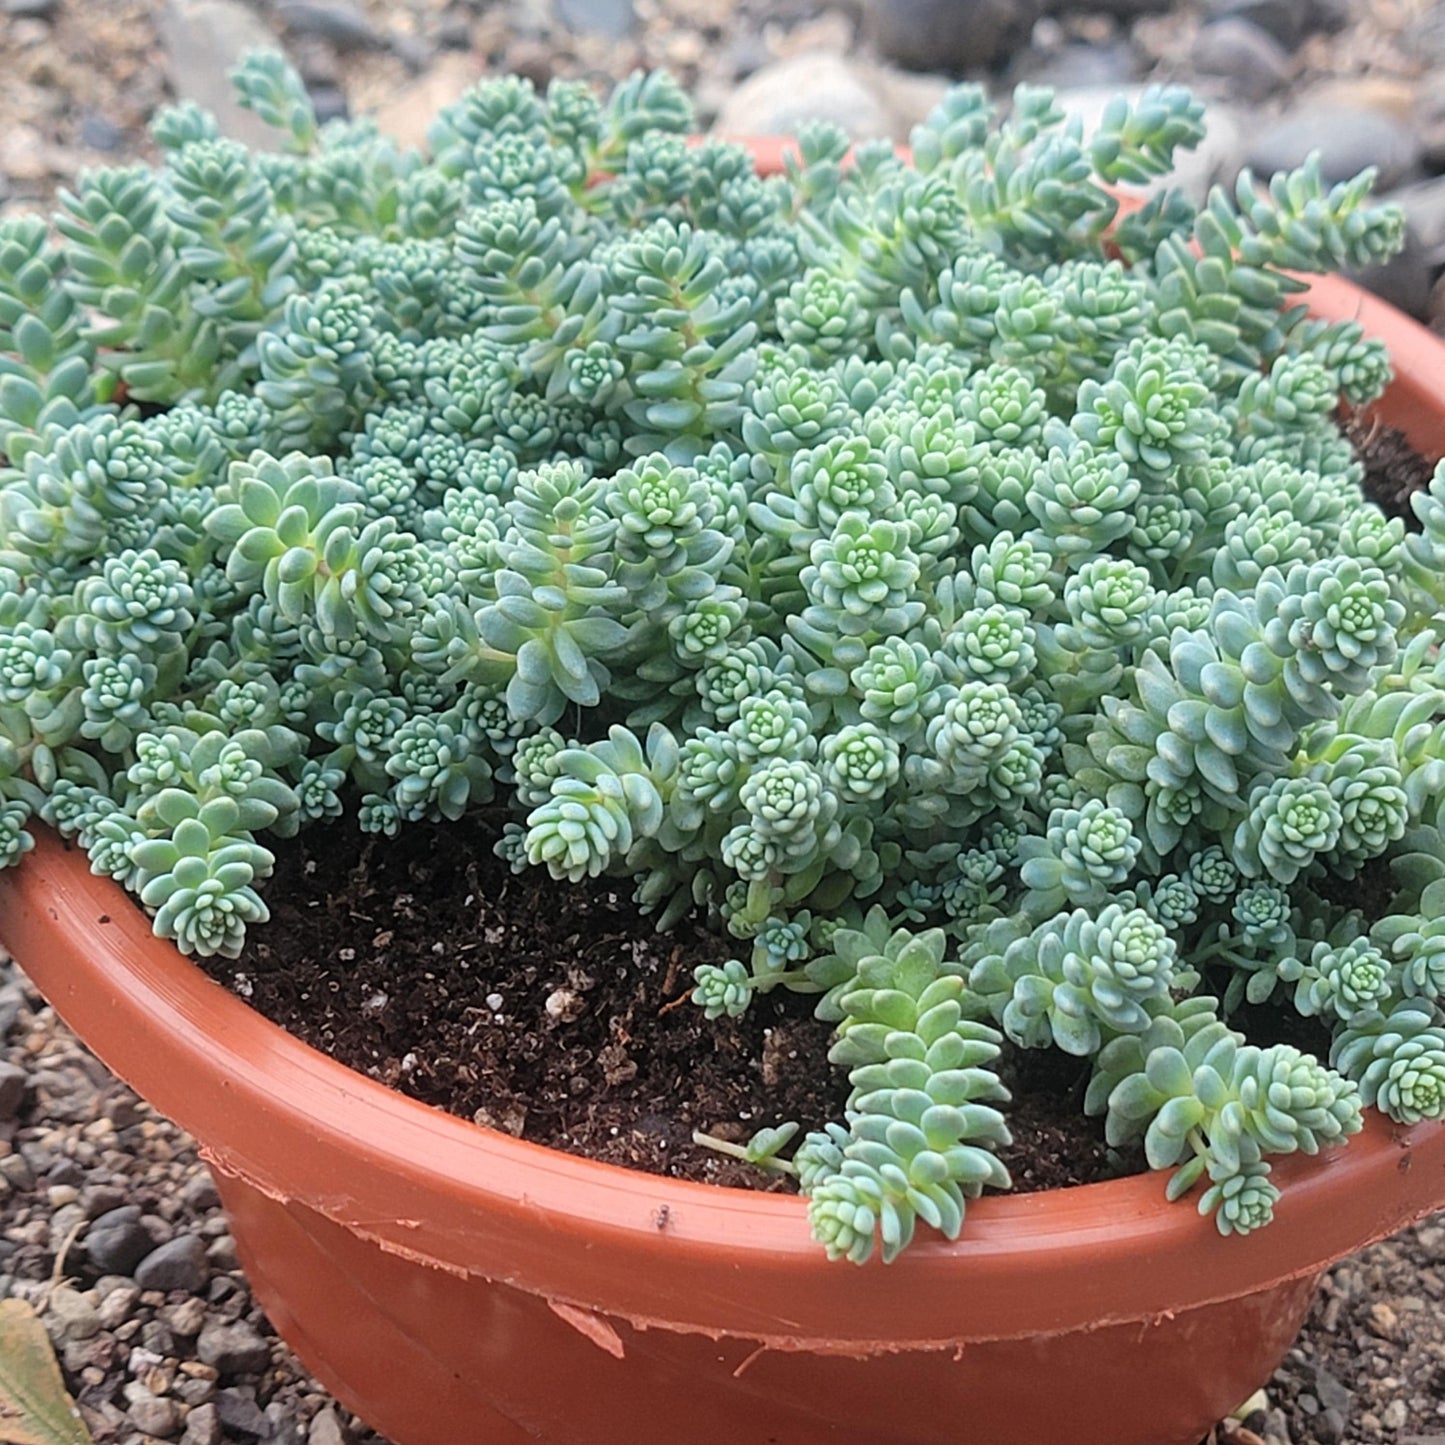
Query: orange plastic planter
point(455, 1286)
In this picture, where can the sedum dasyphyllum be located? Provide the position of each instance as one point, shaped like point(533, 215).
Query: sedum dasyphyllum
point(958, 591)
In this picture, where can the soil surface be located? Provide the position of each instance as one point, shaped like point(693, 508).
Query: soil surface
point(1394, 470)
point(557, 1013)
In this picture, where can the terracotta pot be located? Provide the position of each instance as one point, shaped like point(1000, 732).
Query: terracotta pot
point(455, 1286)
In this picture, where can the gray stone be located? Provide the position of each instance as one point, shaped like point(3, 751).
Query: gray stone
point(952, 35)
point(1424, 207)
point(412, 51)
point(1276, 1426)
point(12, 1000)
point(234, 1349)
point(75, 1317)
point(200, 1192)
point(195, 1391)
point(1126, 9)
point(31, 9)
point(65, 1171)
point(1404, 280)
point(203, 1426)
point(98, 1199)
point(1081, 65)
point(329, 103)
point(1329, 1426)
point(12, 1089)
point(117, 1242)
point(221, 1252)
point(181, 1264)
point(281, 1429)
point(455, 31)
point(1348, 140)
point(188, 1317)
point(238, 1411)
point(116, 1304)
point(16, 1171)
point(155, 1415)
point(1253, 62)
point(612, 19)
point(812, 86)
point(338, 21)
point(1334, 1393)
point(100, 133)
point(1424, 36)
point(203, 40)
point(326, 1429)
point(1288, 21)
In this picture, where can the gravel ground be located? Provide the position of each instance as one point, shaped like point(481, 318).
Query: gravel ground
point(110, 1227)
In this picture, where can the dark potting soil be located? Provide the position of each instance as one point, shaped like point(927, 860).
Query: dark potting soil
point(557, 1013)
point(1394, 470)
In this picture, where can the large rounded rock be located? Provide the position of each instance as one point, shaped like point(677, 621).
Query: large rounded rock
point(777, 99)
point(954, 35)
point(1347, 138)
point(1250, 60)
point(1288, 21)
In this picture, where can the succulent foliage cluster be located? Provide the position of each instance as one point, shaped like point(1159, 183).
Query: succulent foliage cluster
point(959, 591)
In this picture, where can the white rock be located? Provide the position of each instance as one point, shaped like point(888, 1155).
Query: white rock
point(777, 99)
point(203, 40)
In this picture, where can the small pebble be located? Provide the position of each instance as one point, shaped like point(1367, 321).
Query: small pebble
point(154, 1416)
point(115, 1307)
point(180, 1264)
point(326, 1429)
point(239, 1411)
point(234, 1349)
point(1396, 1416)
point(200, 1194)
point(118, 1241)
point(203, 1426)
point(186, 1318)
point(75, 1315)
point(222, 1252)
point(100, 133)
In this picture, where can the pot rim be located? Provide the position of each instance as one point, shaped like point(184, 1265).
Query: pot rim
point(301, 1126)
point(453, 1195)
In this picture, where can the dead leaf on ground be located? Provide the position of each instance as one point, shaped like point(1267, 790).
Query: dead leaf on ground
point(34, 1407)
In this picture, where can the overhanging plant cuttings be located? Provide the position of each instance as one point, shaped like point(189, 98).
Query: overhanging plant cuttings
point(961, 593)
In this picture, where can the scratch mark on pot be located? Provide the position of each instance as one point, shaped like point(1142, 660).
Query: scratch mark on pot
point(747, 1363)
point(593, 1327)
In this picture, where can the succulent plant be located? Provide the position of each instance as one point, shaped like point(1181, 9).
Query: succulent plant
point(926, 538)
